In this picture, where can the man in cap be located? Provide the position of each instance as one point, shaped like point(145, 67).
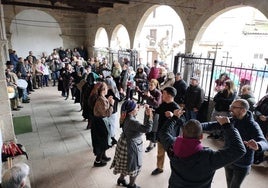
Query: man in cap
point(165, 111)
point(194, 97)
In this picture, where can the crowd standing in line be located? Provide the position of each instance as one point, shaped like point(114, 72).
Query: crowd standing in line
point(99, 87)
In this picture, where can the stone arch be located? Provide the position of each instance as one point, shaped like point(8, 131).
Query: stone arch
point(217, 9)
point(174, 28)
point(28, 34)
point(224, 47)
point(210, 20)
point(101, 38)
point(141, 24)
point(116, 42)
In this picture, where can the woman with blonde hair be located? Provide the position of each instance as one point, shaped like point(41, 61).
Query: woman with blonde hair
point(153, 98)
point(116, 71)
point(222, 100)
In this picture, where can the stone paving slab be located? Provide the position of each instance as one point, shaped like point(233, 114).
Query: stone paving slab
point(61, 156)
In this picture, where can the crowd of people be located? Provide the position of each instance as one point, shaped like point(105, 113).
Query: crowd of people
point(171, 123)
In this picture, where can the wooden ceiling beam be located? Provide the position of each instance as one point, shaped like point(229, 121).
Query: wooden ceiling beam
point(80, 9)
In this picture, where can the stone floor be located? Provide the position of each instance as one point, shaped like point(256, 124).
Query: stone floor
point(60, 151)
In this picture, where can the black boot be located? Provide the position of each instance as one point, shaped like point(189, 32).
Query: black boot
point(133, 186)
point(122, 182)
point(114, 141)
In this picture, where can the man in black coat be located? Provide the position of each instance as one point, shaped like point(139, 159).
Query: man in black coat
point(181, 87)
point(261, 116)
point(252, 136)
point(194, 97)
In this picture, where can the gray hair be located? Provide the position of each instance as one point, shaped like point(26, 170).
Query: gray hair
point(15, 176)
point(243, 103)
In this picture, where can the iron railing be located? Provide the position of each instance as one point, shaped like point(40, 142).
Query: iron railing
point(208, 72)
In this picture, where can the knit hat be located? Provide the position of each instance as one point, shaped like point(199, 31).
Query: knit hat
point(171, 91)
point(128, 106)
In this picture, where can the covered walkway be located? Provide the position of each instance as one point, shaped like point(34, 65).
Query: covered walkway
point(61, 156)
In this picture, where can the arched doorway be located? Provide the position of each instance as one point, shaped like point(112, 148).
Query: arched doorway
point(241, 36)
point(158, 37)
point(28, 34)
point(237, 38)
point(101, 44)
point(120, 38)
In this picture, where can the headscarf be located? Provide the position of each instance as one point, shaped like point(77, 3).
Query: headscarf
point(128, 106)
point(112, 85)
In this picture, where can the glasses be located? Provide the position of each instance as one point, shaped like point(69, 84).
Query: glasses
point(233, 107)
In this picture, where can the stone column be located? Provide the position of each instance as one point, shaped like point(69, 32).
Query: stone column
point(6, 121)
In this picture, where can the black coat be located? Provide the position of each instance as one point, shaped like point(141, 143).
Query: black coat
point(198, 169)
point(181, 88)
point(249, 129)
point(194, 97)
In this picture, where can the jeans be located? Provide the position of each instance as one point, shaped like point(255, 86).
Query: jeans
point(55, 76)
point(235, 175)
point(190, 115)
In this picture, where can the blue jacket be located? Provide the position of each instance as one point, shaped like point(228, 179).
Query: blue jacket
point(197, 170)
point(248, 129)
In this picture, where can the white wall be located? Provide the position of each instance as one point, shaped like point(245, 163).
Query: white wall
point(34, 30)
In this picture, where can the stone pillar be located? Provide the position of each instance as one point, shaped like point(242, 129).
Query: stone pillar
point(6, 121)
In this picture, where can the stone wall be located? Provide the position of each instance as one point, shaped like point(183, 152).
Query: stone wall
point(72, 25)
point(80, 28)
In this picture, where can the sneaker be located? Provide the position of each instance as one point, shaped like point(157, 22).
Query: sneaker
point(100, 163)
point(157, 171)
